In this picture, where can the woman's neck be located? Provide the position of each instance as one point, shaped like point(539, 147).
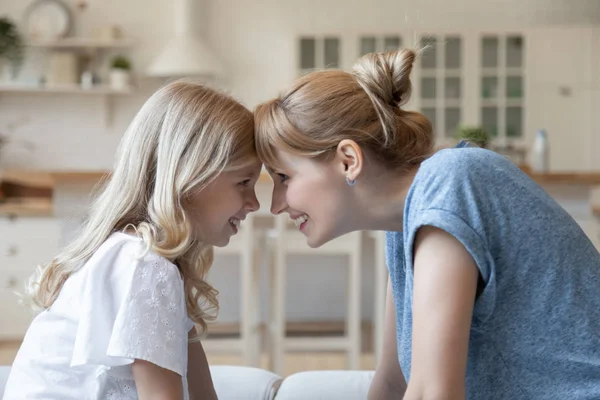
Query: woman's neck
point(382, 200)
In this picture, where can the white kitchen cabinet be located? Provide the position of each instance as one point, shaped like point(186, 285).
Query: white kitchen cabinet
point(560, 77)
point(317, 52)
point(15, 316)
point(439, 80)
point(512, 82)
point(594, 149)
point(596, 57)
point(24, 243)
point(501, 78)
point(567, 119)
point(560, 55)
point(595, 105)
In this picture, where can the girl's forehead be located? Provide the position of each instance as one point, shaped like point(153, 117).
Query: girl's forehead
point(250, 168)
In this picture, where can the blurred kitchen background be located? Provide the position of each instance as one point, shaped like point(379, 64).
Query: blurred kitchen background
point(75, 72)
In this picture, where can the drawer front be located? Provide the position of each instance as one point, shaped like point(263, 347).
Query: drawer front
point(27, 242)
point(31, 229)
point(14, 316)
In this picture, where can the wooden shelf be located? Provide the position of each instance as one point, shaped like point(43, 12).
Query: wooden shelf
point(35, 207)
point(48, 179)
point(566, 178)
point(74, 89)
point(82, 43)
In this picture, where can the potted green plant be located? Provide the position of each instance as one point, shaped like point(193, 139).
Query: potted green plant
point(475, 135)
point(11, 46)
point(120, 73)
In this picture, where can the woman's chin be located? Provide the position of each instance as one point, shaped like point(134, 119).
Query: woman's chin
point(314, 242)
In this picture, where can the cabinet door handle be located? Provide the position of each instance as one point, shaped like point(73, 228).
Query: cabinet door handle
point(12, 283)
point(12, 251)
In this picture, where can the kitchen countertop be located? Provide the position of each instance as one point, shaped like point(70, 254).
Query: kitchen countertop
point(49, 179)
point(566, 178)
point(27, 207)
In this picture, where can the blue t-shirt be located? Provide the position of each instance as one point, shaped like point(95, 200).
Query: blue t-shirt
point(535, 330)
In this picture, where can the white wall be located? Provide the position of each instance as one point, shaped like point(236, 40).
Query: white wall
point(256, 40)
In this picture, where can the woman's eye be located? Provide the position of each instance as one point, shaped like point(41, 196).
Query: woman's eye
point(244, 183)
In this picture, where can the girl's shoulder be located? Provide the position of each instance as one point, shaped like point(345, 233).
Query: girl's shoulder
point(126, 246)
point(127, 256)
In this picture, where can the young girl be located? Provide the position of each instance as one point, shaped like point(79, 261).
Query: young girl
point(120, 301)
point(494, 289)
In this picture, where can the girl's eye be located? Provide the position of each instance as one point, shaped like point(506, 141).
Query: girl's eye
point(244, 183)
point(283, 177)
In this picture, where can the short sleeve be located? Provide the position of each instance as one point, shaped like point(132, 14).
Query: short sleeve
point(457, 191)
point(133, 309)
point(458, 228)
point(475, 246)
point(151, 323)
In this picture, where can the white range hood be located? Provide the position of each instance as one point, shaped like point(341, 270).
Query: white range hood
point(185, 55)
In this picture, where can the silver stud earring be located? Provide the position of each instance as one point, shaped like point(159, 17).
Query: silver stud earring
point(350, 182)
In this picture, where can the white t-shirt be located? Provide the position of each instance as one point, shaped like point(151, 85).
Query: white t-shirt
point(117, 308)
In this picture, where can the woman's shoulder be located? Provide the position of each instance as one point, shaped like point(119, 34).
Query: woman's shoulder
point(465, 161)
point(464, 170)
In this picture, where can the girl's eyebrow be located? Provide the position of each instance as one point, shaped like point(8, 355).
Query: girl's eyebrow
point(249, 174)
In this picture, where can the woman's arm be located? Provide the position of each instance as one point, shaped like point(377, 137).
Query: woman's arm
point(445, 284)
point(199, 380)
point(156, 383)
point(388, 382)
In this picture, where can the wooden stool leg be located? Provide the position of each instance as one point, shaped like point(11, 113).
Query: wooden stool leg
point(249, 306)
point(381, 275)
point(353, 318)
point(278, 274)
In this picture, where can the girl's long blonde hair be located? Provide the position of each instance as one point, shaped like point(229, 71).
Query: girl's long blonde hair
point(183, 137)
point(366, 105)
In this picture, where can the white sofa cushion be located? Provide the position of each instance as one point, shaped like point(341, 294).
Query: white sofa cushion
point(244, 383)
point(231, 383)
point(326, 385)
point(4, 371)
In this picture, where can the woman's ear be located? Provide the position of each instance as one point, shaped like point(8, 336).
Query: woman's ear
point(349, 157)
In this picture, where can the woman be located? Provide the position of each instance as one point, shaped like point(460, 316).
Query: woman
point(494, 289)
